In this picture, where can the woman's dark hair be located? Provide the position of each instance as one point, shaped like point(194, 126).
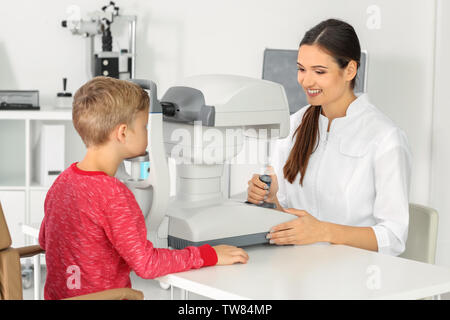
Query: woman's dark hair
point(339, 40)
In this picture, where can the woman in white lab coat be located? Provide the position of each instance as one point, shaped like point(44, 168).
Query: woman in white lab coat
point(344, 170)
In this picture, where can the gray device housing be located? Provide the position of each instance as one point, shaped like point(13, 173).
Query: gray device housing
point(238, 241)
point(189, 106)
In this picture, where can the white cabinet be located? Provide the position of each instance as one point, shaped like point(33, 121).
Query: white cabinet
point(13, 205)
point(21, 196)
point(37, 199)
point(12, 152)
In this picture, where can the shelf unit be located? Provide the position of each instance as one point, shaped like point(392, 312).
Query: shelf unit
point(21, 196)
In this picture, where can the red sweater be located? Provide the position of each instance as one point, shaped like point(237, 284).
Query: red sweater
point(94, 234)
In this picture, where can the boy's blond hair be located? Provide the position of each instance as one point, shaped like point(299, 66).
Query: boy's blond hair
point(103, 103)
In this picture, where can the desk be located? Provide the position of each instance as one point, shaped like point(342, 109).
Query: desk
point(319, 271)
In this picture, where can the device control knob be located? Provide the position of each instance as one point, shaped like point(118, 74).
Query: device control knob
point(266, 179)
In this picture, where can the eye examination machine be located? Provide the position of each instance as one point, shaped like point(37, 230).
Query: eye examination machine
point(202, 123)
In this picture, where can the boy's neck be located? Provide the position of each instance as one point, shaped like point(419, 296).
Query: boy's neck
point(100, 159)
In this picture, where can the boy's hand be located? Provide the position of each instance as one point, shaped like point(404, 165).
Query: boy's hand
point(230, 255)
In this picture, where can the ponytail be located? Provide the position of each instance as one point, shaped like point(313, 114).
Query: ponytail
point(305, 144)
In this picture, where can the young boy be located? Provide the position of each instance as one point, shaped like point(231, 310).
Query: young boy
point(93, 231)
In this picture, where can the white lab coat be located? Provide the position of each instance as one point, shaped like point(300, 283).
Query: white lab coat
point(359, 175)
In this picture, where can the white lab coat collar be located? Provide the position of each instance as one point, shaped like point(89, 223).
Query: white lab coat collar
point(347, 129)
point(354, 109)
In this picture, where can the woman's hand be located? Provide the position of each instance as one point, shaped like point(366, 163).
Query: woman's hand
point(305, 229)
point(258, 191)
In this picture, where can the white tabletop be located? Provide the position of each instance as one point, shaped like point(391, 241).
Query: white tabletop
point(319, 271)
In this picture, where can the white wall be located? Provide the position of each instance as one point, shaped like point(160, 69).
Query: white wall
point(178, 38)
point(440, 175)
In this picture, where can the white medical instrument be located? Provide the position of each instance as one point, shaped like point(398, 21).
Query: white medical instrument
point(118, 63)
point(193, 123)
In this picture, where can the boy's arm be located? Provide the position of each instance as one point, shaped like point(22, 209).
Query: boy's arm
point(41, 239)
point(42, 234)
point(124, 225)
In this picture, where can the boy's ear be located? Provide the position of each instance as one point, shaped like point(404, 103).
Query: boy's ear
point(120, 133)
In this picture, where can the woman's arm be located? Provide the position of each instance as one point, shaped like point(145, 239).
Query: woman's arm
point(306, 229)
point(277, 203)
point(359, 237)
point(392, 169)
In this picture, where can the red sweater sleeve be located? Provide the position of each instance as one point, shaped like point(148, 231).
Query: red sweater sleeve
point(124, 225)
point(42, 234)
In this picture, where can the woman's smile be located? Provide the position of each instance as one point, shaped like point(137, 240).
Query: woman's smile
point(313, 92)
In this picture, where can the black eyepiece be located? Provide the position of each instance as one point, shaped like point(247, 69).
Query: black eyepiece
point(168, 109)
